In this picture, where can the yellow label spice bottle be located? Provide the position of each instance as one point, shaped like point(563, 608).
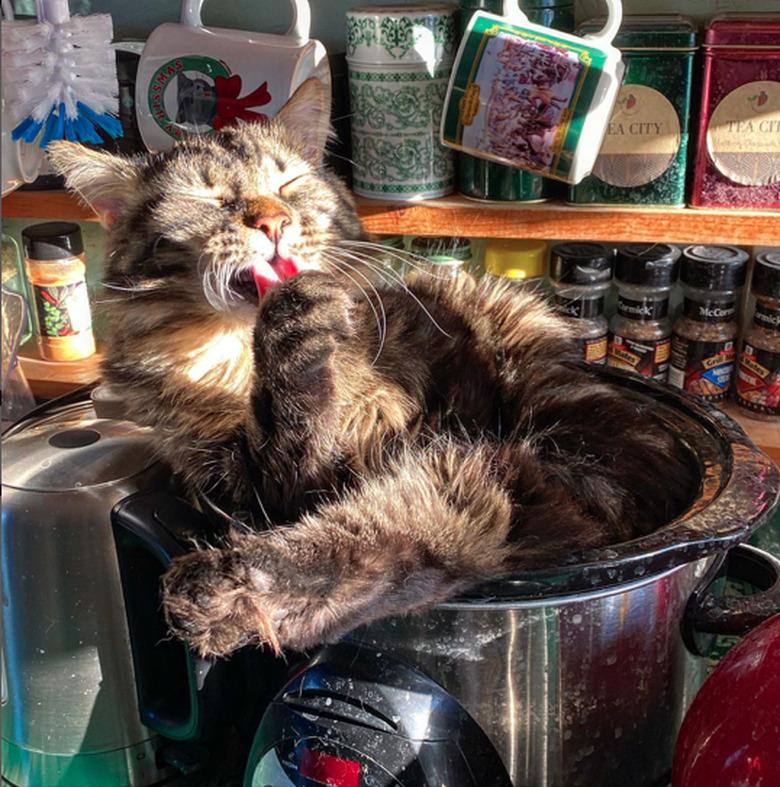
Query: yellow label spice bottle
point(54, 262)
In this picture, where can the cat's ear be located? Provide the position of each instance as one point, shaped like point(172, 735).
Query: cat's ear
point(105, 181)
point(307, 113)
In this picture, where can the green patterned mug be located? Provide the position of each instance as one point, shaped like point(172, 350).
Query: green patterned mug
point(399, 62)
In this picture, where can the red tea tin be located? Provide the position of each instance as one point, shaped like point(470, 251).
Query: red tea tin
point(738, 156)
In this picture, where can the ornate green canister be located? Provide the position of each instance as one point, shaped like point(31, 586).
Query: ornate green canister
point(644, 154)
point(481, 179)
point(399, 58)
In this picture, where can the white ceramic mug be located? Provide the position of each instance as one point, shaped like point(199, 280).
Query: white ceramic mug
point(525, 95)
point(194, 79)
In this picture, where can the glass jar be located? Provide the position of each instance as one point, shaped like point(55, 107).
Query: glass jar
point(54, 262)
point(392, 252)
point(522, 261)
point(641, 329)
point(581, 274)
point(705, 335)
point(758, 375)
point(440, 255)
point(14, 280)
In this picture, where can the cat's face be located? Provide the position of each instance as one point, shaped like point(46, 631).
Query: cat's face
point(219, 219)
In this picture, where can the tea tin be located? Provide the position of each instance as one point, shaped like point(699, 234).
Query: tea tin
point(487, 180)
point(643, 158)
point(738, 151)
point(399, 59)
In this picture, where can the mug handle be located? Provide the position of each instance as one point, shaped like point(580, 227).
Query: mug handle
point(511, 11)
point(300, 28)
point(611, 26)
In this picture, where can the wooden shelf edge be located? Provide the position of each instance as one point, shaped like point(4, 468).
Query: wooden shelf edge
point(457, 215)
point(558, 221)
point(48, 379)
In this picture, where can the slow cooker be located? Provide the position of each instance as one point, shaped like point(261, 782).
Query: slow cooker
point(578, 676)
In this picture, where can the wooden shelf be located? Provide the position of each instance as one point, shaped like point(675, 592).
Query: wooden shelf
point(556, 221)
point(460, 216)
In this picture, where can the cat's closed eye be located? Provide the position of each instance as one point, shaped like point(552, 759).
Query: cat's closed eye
point(286, 188)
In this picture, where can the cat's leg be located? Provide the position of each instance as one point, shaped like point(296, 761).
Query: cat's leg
point(293, 419)
point(437, 522)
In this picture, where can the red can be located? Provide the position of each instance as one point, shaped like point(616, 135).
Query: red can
point(738, 154)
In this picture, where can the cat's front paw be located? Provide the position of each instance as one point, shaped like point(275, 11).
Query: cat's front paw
point(216, 603)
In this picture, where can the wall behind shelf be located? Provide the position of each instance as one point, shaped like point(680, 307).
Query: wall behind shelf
point(137, 19)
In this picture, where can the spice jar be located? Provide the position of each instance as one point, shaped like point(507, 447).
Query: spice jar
point(440, 255)
point(705, 335)
point(54, 261)
point(522, 261)
point(581, 274)
point(642, 160)
point(488, 180)
point(738, 159)
point(758, 375)
point(392, 254)
point(640, 331)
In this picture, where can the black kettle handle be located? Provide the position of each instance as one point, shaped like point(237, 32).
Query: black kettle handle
point(150, 529)
point(711, 613)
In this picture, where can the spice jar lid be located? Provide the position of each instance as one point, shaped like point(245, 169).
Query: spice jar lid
point(650, 264)
point(580, 263)
point(737, 29)
point(648, 31)
point(714, 267)
point(52, 240)
point(516, 258)
point(766, 274)
point(440, 248)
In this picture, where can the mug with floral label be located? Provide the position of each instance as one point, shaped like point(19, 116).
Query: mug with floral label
point(531, 97)
point(195, 80)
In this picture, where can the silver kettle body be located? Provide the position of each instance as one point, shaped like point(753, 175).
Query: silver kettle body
point(70, 710)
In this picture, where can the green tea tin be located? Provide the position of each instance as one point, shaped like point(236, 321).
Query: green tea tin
point(486, 180)
point(643, 158)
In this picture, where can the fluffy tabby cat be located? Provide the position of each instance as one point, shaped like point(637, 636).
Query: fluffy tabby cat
point(391, 443)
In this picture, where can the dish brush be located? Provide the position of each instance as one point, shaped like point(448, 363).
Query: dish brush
point(60, 73)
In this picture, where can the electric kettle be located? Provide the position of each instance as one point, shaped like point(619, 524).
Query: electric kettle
point(94, 694)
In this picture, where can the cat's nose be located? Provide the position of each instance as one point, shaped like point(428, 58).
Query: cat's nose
point(270, 225)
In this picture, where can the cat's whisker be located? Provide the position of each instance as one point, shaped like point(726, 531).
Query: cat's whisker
point(381, 324)
point(368, 261)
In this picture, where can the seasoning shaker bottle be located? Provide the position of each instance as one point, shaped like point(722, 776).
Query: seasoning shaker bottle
point(758, 374)
point(440, 255)
point(55, 267)
point(640, 331)
point(705, 335)
point(523, 261)
point(581, 275)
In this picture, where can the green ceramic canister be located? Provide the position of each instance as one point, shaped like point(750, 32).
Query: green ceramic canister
point(487, 180)
point(643, 158)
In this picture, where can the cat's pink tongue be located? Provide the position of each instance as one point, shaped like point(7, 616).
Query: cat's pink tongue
point(269, 273)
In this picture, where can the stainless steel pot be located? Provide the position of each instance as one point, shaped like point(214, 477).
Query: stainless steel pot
point(72, 715)
point(581, 675)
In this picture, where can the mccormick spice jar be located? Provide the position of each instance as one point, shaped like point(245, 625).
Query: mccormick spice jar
point(738, 159)
point(641, 330)
point(758, 376)
point(705, 335)
point(54, 261)
point(441, 255)
point(522, 261)
point(643, 158)
point(487, 180)
point(581, 274)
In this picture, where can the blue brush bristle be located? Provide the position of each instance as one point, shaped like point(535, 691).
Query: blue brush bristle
point(82, 128)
